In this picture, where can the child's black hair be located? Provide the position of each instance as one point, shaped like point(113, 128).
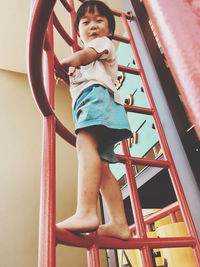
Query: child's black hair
point(103, 10)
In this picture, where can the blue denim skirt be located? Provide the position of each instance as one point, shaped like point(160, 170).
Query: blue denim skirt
point(96, 107)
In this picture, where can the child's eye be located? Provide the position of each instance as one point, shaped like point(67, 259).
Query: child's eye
point(99, 20)
point(85, 22)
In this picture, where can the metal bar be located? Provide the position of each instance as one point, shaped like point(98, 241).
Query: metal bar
point(129, 70)
point(148, 228)
point(144, 161)
point(136, 208)
point(93, 256)
point(37, 28)
point(139, 243)
point(66, 5)
point(119, 14)
point(172, 170)
point(61, 30)
point(173, 173)
point(64, 133)
point(134, 196)
point(46, 253)
point(87, 241)
point(46, 248)
point(75, 46)
point(121, 39)
point(141, 110)
point(162, 213)
point(173, 217)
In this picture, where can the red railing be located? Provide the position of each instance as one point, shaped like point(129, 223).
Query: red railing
point(184, 48)
point(40, 41)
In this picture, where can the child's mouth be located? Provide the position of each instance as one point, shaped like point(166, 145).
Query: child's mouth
point(94, 34)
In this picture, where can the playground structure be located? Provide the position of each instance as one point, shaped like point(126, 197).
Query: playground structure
point(41, 44)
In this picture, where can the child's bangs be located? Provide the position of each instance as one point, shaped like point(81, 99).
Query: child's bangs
point(91, 9)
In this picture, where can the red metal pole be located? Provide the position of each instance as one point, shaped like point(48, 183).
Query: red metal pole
point(46, 257)
point(93, 256)
point(75, 46)
point(173, 217)
point(173, 173)
point(136, 208)
point(177, 25)
point(172, 170)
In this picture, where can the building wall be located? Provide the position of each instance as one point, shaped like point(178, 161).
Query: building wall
point(20, 157)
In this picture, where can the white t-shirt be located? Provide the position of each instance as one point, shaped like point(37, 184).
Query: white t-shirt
point(101, 71)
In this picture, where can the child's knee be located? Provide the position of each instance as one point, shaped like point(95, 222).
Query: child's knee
point(85, 142)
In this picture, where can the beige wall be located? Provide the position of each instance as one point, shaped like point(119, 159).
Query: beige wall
point(20, 139)
point(20, 157)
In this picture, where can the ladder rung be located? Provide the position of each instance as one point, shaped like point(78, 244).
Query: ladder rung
point(122, 39)
point(144, 161)
point(141, 110)
point(119, 14)
point(158, 215)
point(61, 30)
point(129, 70)
point(139, 243)
point(87, 240)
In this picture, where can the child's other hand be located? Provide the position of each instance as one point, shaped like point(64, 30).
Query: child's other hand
point(65, 67)
point(57, 79)
point(68, 69)
point(61, 76)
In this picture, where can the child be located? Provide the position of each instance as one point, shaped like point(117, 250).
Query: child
point(100, 122)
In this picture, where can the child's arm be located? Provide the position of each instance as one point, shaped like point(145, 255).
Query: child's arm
point(82, 57)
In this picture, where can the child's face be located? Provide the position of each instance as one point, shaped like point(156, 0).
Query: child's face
point(93, 25)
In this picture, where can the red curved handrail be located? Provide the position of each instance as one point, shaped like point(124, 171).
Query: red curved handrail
point(36, 35)
point(61, 30)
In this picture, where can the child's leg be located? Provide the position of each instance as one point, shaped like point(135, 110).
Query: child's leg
point(85, 219)
point(117, 227)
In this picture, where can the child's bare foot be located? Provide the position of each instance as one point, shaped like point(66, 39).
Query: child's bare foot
point(80, 224)
point(113, 230)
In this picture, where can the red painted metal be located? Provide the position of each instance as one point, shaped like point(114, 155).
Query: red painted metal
point(87, 241)
point(158, 215)
point(136, 207)
point(61, 31)
point(144, 161)
point(36, 35)
point(39, 21)
point(93, 256)
point(75, 46)
point(46, 250)
point(173, 217)
point(141, 110)
point(129, 70)
point(119, 14)
point(121, 38)
point(148, 228)
point(45, 101)
point(139, 243)
point(46, 255)
point(179, 36)
point(165, 148)
point(66, 5)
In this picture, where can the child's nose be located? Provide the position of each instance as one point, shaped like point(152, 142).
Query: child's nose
point(93, 25)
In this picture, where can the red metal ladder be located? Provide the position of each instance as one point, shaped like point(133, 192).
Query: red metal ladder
point(41, 44)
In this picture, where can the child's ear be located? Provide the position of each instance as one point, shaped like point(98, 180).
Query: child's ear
point(110, 34)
